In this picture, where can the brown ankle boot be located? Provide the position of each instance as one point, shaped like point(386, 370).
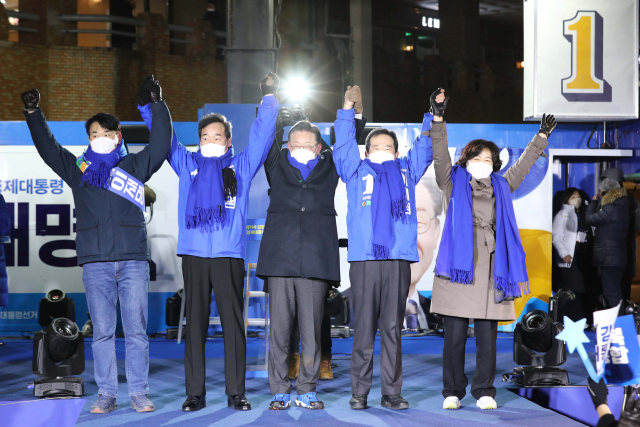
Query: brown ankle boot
point(325, 368)
point(294, 365)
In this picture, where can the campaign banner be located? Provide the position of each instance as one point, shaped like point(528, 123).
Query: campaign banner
point(605, 321)
point(581, 59)
point(622, 365)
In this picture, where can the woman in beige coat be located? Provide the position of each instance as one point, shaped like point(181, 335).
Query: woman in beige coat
point(478, 298)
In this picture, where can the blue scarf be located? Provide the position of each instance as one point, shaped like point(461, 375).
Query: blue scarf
point(455, 256)
point(205, 203)
point(99, 166)
point(305, 170)
point(389, 204)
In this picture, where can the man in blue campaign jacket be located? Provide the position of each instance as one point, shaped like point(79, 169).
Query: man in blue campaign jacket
point(212, 214)
point(382, 227)
point(111, 242)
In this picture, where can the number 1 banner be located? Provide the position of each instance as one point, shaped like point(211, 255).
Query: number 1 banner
point(581, 59)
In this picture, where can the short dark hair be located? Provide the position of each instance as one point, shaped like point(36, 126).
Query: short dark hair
point(106, 121)
point(475, 147)
point(215, 118)
point(567, 194)
point(306, 126)
point(381, 131)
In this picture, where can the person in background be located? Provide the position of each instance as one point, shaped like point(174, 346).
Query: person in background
point(326, 373)
point(573, 241)
point(212, 212)
point(5, 230)
point(111, 240)
point(481, 271)
point(383, 228)
point(122, 9)
point(609, 214)
point(634, 226)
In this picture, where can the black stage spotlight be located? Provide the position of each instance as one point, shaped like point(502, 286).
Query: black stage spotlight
point(564, 303)
point(54, 305)
point(337, 307)
point(172, 315)
point(535, 346)
point(58, 353)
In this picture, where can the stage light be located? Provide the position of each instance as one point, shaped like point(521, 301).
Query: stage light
point(296, 89)
point(58, 353)
point(337, 307)
point(535, 346)
point(54, 305)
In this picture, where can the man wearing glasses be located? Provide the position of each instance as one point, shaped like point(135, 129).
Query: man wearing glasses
point(299, 256)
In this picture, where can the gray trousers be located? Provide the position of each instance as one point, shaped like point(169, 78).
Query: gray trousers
point(285, 293)
point(379, 292)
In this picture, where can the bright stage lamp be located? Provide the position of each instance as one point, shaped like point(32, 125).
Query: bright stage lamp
point(54, 305)
point(297, 89)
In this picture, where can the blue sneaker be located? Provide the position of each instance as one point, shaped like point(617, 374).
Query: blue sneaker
point(141, 403)
point(309, 401)
point(280, 402)
point(104, 405)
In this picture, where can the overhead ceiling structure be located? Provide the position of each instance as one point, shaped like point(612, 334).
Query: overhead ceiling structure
point(498, 10)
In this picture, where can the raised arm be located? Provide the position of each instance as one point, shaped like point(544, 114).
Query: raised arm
point(263, 129)
point(516, 173)
point(178, 154)
point(420, 155)
point(149, 160)
point(438, 134)
point(346, 155)
point(58, 158)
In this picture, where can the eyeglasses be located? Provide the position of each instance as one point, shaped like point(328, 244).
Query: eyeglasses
point(423, 227)
point(305, 146)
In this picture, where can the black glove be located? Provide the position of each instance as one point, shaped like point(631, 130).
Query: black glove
point(31, 98)
point(437, 108)
point(272, 87)
point(598, 392)
point(547, 125)
point(150, 91)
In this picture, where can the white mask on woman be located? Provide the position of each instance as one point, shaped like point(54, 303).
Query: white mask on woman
point(303, 156)
point(479, 170)
point(104, 145)
point(575, 203)
point(213, 150)
point(381, 157)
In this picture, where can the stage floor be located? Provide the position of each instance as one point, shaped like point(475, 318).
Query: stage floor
point(422, 364)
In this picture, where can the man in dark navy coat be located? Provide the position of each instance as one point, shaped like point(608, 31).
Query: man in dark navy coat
point(299, 255)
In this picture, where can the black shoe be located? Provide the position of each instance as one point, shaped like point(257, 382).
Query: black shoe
point(238, 402)
point(358, 401)
point(394, 401)
point(194, 403)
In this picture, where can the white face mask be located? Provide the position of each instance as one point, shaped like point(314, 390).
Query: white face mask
point(381, 157)
point(575, 203)
point(213, 150)
point(104, 145)
point(479, 170)
point(303, 156)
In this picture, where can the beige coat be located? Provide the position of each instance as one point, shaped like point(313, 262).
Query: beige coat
point(475, 301)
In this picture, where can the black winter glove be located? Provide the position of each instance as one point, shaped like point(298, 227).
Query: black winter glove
point(31, 99)
point(269, 85)
point(437, 108)
point(547, 125)
point(598, 392)
point(150, 91)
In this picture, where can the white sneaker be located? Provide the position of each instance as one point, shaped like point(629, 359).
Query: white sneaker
point(451, 402)
point(486, 402)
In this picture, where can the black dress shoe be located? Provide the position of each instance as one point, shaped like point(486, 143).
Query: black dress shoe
point(239, 402)
point(358, 401)
point(394, 401)
point(194, 403)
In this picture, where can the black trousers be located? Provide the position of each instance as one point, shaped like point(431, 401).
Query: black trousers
point(455, 337)
point(325, 336)
point(379, 294)
point(611, 278)
point(226, 277)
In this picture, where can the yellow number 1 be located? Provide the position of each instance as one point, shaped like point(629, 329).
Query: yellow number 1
point(584, 32)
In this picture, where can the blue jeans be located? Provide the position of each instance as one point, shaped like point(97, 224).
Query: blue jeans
point(105, 283)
